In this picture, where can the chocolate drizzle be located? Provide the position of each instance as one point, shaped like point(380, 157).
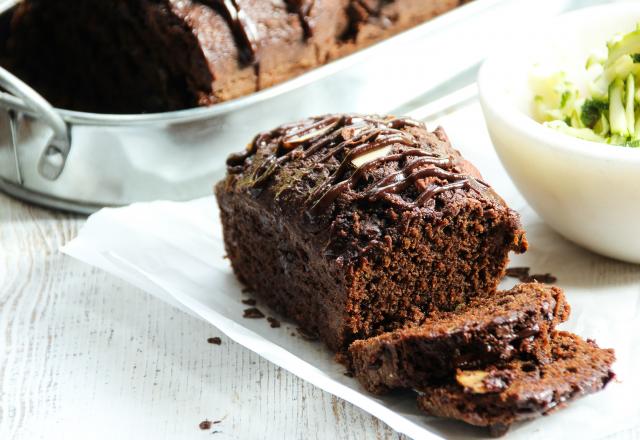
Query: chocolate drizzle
point(303, 9)
point(360, 12)
point(390, 186)
point(237, 159)
point(351, 137)
point(244, 30)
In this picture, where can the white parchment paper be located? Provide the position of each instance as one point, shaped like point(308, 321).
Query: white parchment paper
point(175, 252)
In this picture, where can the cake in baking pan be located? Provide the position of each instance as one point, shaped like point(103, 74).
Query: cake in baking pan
point(160, 55)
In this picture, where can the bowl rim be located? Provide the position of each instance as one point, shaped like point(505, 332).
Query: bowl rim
point(496, 101)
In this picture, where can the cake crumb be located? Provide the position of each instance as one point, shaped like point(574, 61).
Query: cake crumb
point(343, 359)
point(546, 278)
point(306, 335)
point(205, 424)
point(520, 273)
point(253, 313)
point(498, 430)
point(215, 340)
point(273, 322)
point(249, 301)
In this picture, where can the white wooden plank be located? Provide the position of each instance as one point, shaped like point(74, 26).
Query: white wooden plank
point(84, 355)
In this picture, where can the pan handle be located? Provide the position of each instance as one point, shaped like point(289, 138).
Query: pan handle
point(23, 99)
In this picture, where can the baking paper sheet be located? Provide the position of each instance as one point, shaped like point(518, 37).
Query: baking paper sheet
point(175, 252)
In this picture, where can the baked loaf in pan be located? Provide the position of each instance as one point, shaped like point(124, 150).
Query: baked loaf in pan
point(160, 55)
point(489, 330)
point(356, 225)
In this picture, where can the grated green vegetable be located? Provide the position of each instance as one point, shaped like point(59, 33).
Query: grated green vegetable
point(608, 108)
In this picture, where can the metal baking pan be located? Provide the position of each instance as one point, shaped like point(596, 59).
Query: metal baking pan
point(82, 161)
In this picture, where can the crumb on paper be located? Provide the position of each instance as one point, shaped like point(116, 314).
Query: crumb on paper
point(252, 313)
point(517, 272)
point(522, 274)
point(306, 335)
point(546, 278)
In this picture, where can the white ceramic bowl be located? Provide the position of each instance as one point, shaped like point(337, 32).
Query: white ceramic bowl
point(588, 192)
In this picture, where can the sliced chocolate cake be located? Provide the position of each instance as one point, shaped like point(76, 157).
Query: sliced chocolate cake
point(489, 330)
point(357, 225)
point(498, 396)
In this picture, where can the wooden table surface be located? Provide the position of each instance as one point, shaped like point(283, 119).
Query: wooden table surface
point(84, 355)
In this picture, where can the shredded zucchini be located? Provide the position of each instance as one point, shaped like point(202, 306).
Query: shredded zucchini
point(608, 108)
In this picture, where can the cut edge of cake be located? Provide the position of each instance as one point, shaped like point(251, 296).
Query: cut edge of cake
point(490, 329)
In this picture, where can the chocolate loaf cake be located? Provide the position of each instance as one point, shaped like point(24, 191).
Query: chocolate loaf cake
point(357, 225)
point(489, 330)
point(160, 55)
point(499, 396)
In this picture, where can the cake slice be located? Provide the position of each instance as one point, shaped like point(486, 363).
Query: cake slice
point(355, 225)
point(498, 396)
point(488, 330)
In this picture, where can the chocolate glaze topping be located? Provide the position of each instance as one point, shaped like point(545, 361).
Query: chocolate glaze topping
point(243, 28)
point(362, 11)
point(303, 9)
point(352, 136)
